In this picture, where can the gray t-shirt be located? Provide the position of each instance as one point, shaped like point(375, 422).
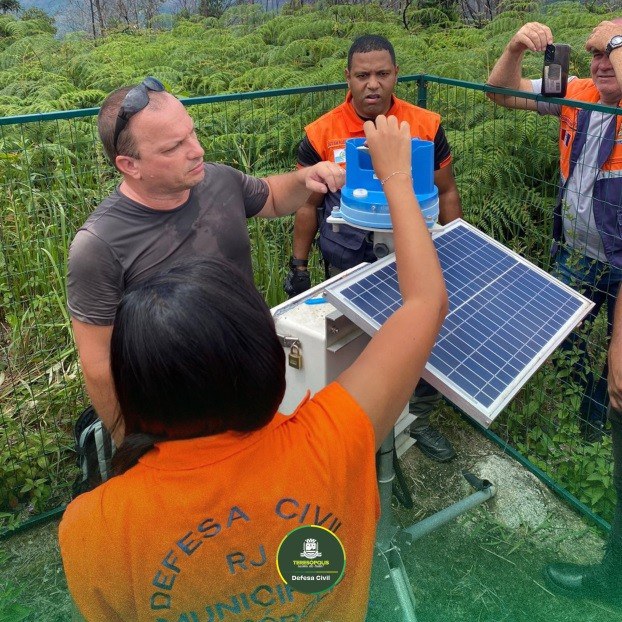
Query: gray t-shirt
point(580, 231)
point(123, 242)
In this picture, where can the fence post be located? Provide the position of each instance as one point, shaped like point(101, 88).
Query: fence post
point(422, 92)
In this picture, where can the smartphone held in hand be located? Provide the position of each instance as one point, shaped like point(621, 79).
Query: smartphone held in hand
point(555, 70)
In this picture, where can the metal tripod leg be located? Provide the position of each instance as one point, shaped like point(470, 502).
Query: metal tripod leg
point(485, 490)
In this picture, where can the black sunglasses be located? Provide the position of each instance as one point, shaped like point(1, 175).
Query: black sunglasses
point(135, 100)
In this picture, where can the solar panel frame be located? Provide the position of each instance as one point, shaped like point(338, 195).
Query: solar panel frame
point(473, 301)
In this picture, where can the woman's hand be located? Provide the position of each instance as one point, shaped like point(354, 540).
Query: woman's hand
point(389, 144)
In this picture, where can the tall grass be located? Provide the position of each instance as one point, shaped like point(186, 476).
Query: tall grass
point(48, 190)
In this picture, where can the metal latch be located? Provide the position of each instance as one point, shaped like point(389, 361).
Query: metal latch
point(286, 341)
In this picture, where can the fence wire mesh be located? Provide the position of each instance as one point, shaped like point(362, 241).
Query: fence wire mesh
point(53, 174)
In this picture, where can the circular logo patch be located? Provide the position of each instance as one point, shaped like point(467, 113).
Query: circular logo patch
point(311, 559)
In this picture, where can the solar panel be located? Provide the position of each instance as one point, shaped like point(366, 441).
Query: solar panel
point(506, 316)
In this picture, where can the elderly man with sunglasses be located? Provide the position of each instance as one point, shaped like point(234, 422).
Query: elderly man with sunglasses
point(170, 206)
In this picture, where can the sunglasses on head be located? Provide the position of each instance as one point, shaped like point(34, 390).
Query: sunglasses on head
point(135, 100)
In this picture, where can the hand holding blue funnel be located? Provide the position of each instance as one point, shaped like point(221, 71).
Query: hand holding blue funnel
point(363, 202)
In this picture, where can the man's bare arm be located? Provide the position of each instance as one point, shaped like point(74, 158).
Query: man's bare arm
point(305, 227)
point(614, 379)
point(93, 343)
point(288, 192)
point(448, 195)
point(507, 71)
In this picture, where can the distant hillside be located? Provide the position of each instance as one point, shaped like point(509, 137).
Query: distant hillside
point(76, 16)
point(51, 7)
point(63, 15)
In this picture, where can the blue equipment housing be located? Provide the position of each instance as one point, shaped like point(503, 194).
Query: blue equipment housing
point(363, 202)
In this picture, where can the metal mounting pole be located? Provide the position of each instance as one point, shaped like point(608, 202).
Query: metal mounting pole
point(391, 587)
point(390, 583)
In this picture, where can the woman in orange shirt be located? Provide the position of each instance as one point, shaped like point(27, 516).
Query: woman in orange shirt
point(210, 477)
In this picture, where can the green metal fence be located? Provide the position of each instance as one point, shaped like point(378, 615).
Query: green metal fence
point(53, 174)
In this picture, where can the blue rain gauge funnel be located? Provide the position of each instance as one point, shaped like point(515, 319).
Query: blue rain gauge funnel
point(363, 202)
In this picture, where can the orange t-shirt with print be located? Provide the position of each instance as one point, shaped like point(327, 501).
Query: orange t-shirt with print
point(190, 534)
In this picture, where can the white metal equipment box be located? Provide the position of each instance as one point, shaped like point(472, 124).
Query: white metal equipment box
point(319, 343)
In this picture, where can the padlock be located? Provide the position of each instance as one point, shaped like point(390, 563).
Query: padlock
point(295, 358)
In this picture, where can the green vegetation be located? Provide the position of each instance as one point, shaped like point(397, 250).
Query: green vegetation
point(10, 596)
point(52, 174)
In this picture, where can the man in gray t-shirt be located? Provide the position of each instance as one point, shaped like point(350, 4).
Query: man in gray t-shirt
point(169, 207)
point(104, 260)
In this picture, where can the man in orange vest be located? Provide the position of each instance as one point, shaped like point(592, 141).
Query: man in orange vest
point(371, 75)
point(587, 243)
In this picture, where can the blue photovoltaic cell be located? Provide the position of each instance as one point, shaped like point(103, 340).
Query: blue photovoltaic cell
point(502, 312)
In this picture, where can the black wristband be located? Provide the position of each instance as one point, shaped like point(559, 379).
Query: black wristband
point(298, 263)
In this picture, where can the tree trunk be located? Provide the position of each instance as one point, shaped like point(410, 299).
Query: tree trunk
point(100, 17)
